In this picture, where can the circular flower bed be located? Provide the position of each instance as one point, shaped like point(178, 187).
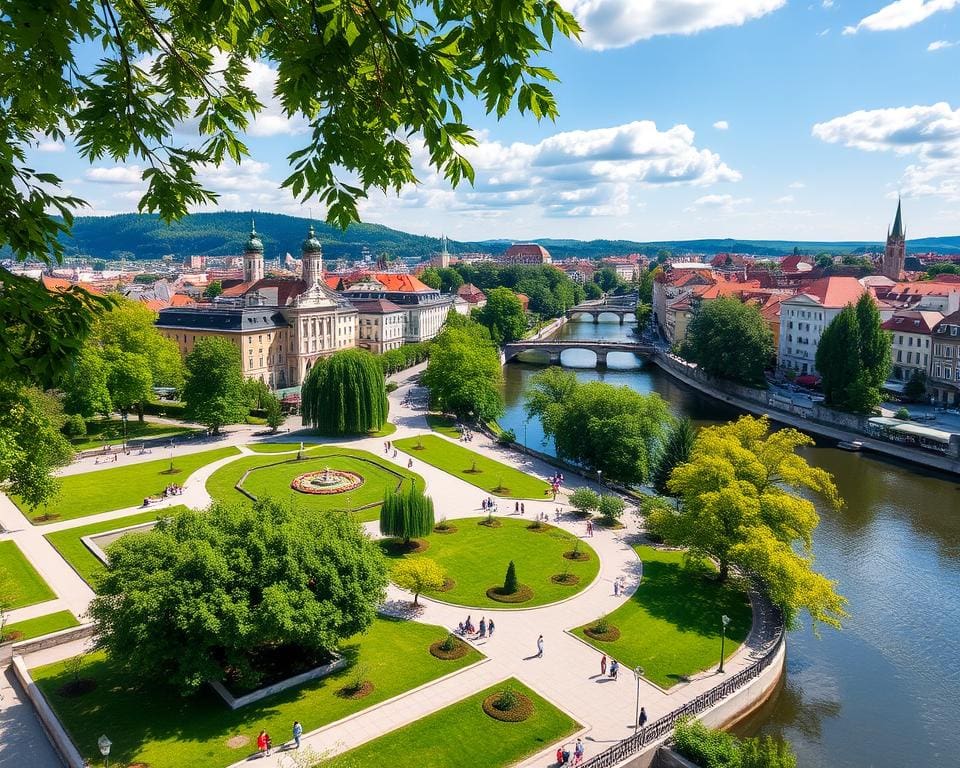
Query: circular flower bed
point(447, 528)
point(566, 579)
point(397, 547)
point(449, 648)
point(327, 482)
point(522, 594)
point(448, 584)
point(508, 706)
point(611, 634)
point(490, 522)
point(539, 527)
point(356, 691)
point(578, 556)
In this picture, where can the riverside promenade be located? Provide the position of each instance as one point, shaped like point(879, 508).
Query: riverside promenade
point(566, 675)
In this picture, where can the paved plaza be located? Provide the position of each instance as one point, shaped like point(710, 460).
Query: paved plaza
point(567, 675)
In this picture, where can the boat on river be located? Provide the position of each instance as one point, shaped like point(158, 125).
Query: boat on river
point(850, 445)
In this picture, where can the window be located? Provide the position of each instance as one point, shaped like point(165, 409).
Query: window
point(947, 373)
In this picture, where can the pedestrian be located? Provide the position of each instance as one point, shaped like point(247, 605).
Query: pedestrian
point(483, 627)
point(490, 629)
point(297, 733)
point(578, 753)
point(516, 508)
point(523, 508)
point(410, 464)
point(263, 743)
point(540, 647)
point(603, 664)
point(642, 720)
point(614, 668)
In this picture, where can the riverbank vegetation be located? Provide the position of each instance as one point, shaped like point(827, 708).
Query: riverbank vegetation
point(464, 375)
point(730, 340)
point(717, 749)
point(743, 500)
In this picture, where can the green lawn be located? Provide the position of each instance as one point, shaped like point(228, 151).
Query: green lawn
point(20, 580)
point(387, 430)
point(80, 558)
point(445, 425)
point(279, 447)
point(671, 624)
point(476, 558)
point(492, 476)
point(110, 431)
point(463, 735)
point(42, 625)
point(109, 489)
point(275, 480)
point(164, 730)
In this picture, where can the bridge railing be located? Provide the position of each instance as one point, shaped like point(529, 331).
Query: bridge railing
point(663, 727)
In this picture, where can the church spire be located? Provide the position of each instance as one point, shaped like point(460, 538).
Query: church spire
point(898, 224)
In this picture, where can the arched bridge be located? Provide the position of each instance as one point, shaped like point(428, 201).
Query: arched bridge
point(555, 348)
point(621, 310)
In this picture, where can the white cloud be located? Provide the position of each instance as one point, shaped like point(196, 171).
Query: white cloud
point(939, 45)
point(721, 125)
point(785, 199)
point(51, 146)
point(271, 120)
point(824, 32)
point(617, 23)
point(901, 14)
point(116, 174)
point(796, 185)
point(827, 3)
point(930, 133)
point(722, 203)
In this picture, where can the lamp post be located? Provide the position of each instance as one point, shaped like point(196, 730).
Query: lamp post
point(600, 478)
point(724, 620)
point(123, 418)
point(638, 673)
point(104, 744)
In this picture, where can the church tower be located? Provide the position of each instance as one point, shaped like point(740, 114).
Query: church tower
point(444, 254)
point(253, 257)
point(895, 254)
point(312, 265)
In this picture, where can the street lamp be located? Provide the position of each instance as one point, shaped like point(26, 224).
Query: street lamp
point(600, 478)
point(104, 744)
point(123, 418)
point(724, 621)
point(638, 673)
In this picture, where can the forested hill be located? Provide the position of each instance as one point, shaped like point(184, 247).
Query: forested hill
point(225, 232)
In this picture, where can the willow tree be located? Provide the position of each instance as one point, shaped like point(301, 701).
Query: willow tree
point(406, 514)
point(345, 394)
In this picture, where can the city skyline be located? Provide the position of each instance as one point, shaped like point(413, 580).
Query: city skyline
point(835, 109)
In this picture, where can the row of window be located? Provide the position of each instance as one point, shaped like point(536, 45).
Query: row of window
point(945, 372)
point(910, 356)
point(910, 341)
point(943, 350)
point(806, 314)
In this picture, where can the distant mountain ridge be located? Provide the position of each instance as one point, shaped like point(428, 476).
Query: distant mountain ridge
point(224, 233)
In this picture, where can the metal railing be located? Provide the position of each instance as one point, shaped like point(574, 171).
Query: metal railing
point(663, 727)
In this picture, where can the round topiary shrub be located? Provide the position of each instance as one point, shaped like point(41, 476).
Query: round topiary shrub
point(522, 594)
point(508, 706)
point(602, 630)
point(450, 648)
point(565, 579)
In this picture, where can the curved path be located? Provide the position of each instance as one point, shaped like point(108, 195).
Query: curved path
point(568, 673)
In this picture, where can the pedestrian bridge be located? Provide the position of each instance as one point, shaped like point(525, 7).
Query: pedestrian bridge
point(593, 311)
point(555, 348)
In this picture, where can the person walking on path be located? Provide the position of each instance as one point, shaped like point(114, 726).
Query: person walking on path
point(410, 464)
point(616, 587)
point(540, 647)
point(297, 733)
point(483, 627)
point(603, 664)
point(490, 629)
point(263, 743)
point(614, 668)
point(578, 753)
point(516, 508)
point(523, 508)
point(642, 720)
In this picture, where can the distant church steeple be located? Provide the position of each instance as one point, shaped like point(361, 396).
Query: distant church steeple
point(253, 256)
point(444, 253)
point(312, 264)
point(895, 252)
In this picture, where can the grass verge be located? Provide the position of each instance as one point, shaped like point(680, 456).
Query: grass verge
point(42, 625)
point(21, 584)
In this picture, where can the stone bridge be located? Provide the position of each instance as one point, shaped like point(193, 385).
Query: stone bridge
point(554, 348)
point(621, 310)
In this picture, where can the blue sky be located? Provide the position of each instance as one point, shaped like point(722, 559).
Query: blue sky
point(678, 119)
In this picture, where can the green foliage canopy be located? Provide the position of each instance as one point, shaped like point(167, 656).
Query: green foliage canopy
point(503, 315)
point(215, 393)
point(203, 592)
point(730, 340)
point(406, 514)
point(674, 451)
point(464, 374)
point(345, 394)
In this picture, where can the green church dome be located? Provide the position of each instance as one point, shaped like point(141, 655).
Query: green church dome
point(311, 244)
point(254, 244)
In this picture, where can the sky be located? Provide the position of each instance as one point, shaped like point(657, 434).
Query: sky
point(679, 119)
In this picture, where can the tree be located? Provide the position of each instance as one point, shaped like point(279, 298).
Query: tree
point(406, 514)
point(419, 574)
point(213, 290)
point(592, 291)
point(730, 340)
point(31, 443)
point(503, 315)
point(431, 276)
point(585, 500)
point(214, 392)
point(386, 73)
point(645, 288)
point(274, 413)
point(85, 386)
point(450, 279)
point(676, 450)
point(916, 387)
point(129, 379)
point(464, 374)
point(824, 260)
point(611, 429)
point(744, 501)
point(853, 358)
point(644, 312)
point(203, 593)
point(611, 508)
point(545, 395)
point(608, 279)
point(346, 394)
point(510, 582)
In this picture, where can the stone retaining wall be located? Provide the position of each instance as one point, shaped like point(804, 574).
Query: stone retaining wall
point(235, 702)
point(58, 735)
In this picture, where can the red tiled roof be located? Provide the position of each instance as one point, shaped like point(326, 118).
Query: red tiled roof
point(835, 291)
point(913, 321)
point(60, 285)
point(471, 294)
point(375, 306)
point(235, 291)
point(181, 300)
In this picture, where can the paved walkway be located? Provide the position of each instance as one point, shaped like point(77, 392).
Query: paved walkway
point(567, 675)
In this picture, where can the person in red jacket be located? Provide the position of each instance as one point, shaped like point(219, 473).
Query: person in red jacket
point(263, 743)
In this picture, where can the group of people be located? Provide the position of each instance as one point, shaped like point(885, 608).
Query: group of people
point(388, 449)
point(172, 490)
point(555, 482)
point(614, 667)
point(265, 745)
point(619, 585)
point(563, 753)
point(485, 629)
point(520, 508)
point(466, 435)
point(488, 505)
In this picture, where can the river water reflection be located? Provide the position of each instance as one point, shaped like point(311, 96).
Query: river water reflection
point(885, 691)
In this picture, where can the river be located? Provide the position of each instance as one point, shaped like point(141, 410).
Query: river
point(885, 691)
